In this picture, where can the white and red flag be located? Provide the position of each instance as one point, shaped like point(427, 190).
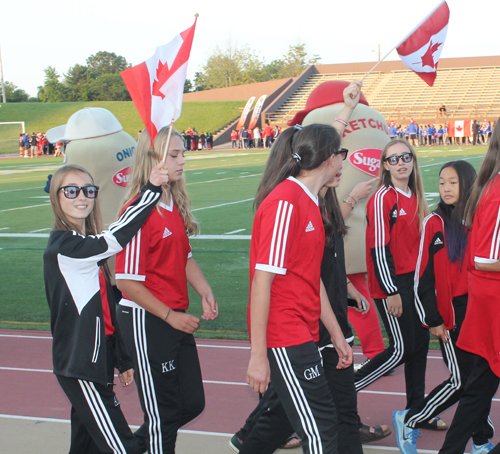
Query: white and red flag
point(156, 86)
point(421, 49)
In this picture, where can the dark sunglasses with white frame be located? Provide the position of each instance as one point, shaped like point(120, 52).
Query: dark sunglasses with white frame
point(72, 192)
point(394, 159)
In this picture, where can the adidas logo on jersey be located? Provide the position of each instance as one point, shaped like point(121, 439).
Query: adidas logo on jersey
point(309, 227)
point(166, 233)
point(402, 212)
point(438, 242)
point(395, 214)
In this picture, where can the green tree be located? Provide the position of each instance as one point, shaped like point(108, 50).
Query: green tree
point(106, 63)
point(52, 89)
point(107, 87)
point(14, 94)
point(188, 86)
point(75, 80)
point(229, 66)
point(296, 60)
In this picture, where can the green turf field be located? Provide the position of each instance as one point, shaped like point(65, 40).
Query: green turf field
point(222, 185)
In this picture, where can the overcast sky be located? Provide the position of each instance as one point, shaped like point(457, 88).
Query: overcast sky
point(35, 34)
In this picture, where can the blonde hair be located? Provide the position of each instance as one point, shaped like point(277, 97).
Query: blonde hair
point(62, 222)
point(415, 182)
point(145, 159)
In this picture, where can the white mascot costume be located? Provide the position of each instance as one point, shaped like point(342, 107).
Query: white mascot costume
point(365, 137)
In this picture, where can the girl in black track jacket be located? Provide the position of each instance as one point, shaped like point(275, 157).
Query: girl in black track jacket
point(86, 340)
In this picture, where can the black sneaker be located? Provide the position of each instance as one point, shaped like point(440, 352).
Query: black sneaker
point(235, 444)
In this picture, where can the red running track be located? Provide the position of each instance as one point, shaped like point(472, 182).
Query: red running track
point(29, 388)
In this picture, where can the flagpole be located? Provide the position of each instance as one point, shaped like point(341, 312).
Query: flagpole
point(165, 150)
point(380, 61)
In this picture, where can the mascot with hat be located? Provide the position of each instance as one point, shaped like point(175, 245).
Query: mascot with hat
point(98, 143)
point(365, 136)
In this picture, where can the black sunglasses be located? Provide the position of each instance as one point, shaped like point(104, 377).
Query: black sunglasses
point(72, 192)
point(343, 152)
point(393, 160)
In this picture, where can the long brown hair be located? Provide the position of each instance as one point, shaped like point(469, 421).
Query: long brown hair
point(489, 169)
point(62, 222)
point(415, 182)
point(314, 144)
point(145, 159)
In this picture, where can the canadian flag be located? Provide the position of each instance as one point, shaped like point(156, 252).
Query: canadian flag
point(156, 86)
point(460, 128)
point(421, 49)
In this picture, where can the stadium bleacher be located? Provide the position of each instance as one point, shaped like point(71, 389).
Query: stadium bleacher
point(468, 87)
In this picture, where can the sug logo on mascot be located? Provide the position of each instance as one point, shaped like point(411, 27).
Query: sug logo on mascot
point(122, 177)
point(367, 160)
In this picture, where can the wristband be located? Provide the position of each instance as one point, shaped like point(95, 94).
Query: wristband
point(349, 202)
point(353, 198)
point(341, 121)
point(168, 313)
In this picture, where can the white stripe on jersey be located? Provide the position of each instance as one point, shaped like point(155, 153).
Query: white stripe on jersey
point(280, 234)
point(383, 267)
point(418, 304)
point(132, 254)
point(101, 417)
point(495, 242)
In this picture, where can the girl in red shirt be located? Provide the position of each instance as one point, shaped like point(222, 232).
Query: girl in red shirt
point(480, 333)
point(441, 298)
point(394, 215)
point(287, 297)
point(153, 272)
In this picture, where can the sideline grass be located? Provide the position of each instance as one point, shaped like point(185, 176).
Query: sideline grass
point(216, 180)
point(39, 117)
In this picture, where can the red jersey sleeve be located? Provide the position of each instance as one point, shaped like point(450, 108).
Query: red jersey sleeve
point(275, 230)
point(132, 260)
point(190, 253)
point(381, 216)
point(487, 247)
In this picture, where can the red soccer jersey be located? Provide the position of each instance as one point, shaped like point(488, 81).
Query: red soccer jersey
point(268, 131)
point(106, 313)
point(288, 239)
point(157, 256)
point(392, 239)
point(480, 332)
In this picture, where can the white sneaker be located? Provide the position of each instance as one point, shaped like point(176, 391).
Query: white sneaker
point(482, 449)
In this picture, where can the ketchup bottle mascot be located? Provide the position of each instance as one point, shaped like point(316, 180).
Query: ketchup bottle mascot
point(365, 136)
point(98, 143)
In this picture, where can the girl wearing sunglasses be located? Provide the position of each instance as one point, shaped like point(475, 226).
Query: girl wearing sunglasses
point(394, 214)
point(86, 340)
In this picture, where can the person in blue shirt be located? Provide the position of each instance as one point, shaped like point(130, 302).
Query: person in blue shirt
point(412, 131)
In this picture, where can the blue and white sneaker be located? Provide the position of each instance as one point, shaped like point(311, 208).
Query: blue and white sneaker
point(405, 436)
point(482, 449)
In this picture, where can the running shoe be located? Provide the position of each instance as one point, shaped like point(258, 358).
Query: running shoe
point(235, 444)
point(482, 449)
point(405, 436)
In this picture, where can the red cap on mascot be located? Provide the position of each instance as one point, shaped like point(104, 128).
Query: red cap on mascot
point(325, 94)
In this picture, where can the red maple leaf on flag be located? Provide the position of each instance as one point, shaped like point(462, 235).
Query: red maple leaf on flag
point(162, 75)
point(428, 58)
point(459, 128)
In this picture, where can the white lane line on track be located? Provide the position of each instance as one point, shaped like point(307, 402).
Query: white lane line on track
point(67, 421)
point(234, 231)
